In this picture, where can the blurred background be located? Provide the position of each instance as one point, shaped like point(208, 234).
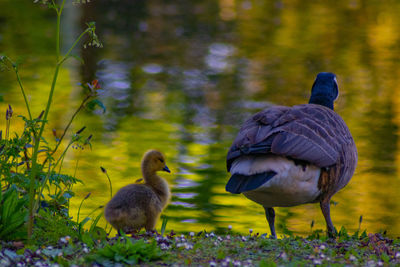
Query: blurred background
point(181, 76)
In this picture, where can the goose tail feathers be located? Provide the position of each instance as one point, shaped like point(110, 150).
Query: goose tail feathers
point(239, 183)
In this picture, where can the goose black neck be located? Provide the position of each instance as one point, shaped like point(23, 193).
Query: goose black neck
point(321, 100)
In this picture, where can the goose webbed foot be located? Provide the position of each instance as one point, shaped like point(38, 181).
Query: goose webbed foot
point(270, 214)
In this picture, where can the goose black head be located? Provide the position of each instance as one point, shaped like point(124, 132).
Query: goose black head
point(324, 90)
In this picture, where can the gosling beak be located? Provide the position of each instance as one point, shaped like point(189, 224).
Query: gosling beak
point(166, 169)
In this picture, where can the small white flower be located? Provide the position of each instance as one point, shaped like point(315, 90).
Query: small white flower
point(228, 237)
point(86, 250)
point(397, 255)
point(250, 230)
point(212, 234)
point(229, 227)
point(191, 234)
point(284, 256)
point(244, 238)
point(236, 263)
point(213, 264)
point(188, 246)
point(317, 261)
point(163, 246)
point(322, 247)
point(352, 258)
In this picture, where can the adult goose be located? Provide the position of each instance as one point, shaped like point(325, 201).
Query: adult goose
point(287, 156)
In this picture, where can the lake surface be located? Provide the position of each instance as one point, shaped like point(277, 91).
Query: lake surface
point(181, 76)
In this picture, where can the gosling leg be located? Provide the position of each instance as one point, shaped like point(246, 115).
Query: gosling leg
point(151, 222)
point(270, 214)
point(326, 211)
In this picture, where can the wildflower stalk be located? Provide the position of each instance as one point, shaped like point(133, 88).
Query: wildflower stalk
point(109, 180)
point(67, 55)
point(35, 166)
point(68, 125)
point(59, 11)
point(15, 67)
point(80, 206)
point(34, 169)
point(23, 91)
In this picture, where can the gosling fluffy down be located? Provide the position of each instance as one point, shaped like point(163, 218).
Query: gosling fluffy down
point(139, 205)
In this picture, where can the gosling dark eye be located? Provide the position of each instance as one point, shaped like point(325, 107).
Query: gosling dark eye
point(162, 161)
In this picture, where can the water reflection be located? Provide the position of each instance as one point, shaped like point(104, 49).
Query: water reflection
point(182, 76)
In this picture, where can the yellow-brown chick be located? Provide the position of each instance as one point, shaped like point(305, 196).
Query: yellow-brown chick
point(139, 205)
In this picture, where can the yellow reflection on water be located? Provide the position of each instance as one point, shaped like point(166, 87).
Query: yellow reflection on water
point(264, 53)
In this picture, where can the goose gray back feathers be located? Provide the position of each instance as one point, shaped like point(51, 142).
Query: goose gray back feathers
point(309, 132)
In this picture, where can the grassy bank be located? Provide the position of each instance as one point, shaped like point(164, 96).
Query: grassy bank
point(209, 249)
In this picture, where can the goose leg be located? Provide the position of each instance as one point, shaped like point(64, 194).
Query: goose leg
point(325, 207)
point(270, 214)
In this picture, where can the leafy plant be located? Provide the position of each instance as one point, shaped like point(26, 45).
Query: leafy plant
point(19, 154)
point(50, 226)
point(125, 251)
point(12, 215)
point(164, 224)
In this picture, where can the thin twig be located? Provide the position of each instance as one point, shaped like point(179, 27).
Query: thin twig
point(26, 158)
point(68, 125)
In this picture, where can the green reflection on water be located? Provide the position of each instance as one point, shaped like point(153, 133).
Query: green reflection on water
point(182, 77)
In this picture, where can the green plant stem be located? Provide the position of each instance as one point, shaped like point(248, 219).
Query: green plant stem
point(109, 181)
point(23, 91)
point(7, 128)
point(80, 206)
point(42, 188)
point(68, 125)
point(76, 165)
point(59, 12)
point(34, 169)
point(111, 194)
point(73, 46)
point(15, 67)
point(61, 158)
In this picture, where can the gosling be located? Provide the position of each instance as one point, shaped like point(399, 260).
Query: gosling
point(139, 205)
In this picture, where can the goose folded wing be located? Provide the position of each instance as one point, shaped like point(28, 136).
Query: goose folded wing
point(311, 134)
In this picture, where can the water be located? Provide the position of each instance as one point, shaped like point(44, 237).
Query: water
point(182, 76)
